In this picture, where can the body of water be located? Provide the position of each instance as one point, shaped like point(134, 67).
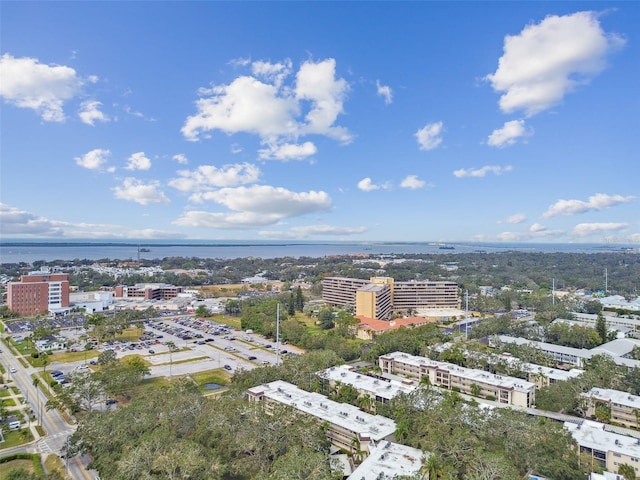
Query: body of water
point(30, 251)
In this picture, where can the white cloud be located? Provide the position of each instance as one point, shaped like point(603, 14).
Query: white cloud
point(547, 60)
point(236, 220)
point(143, 193)
point(516, 218)
point(508, 134)
point(481, 172)
point(181, 158)
point(27, 83)
point(430, 136)
point(208, 177)
point(412, 182)
point(19, 222)
point(273, 72)
point(586, 229)
point(94, 159)
point(90, 112)
point(271, 201)
point(385, 92)
point(599, 201)
point(534, 232)
point(271, 109)
point(288, 151)
point(312, 231)
point(366, 185)
point(138, 161)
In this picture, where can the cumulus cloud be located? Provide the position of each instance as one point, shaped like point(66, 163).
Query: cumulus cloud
point(430, 136)
point(367, 185)
point(19, 222)
point(535, 231)
point(208, 177)
point(516, 218)
point(181, 158)
point(266, 105)
point(268, 200)
point(27, 83)
point(288, 151)
point(385, 92)
point(412, 182)
point(137, 191)
point(545, 61)
point(599, 201)
point(255, 206)
point(481, 172)
point(90, 112)
point(311, 231)
point(138, 161)
point(586, 229)
point(93, 160)
point(508, 134)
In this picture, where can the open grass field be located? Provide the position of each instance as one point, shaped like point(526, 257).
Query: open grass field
point(5, 468)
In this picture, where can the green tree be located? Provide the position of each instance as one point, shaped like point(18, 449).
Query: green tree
point(601, 327)
point(202, 311)
point(627, 471)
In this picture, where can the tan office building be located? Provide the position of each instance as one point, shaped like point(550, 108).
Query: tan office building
point(380, 297)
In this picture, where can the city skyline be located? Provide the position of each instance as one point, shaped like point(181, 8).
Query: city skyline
point(359, 121)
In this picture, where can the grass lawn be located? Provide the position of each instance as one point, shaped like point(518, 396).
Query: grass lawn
point(210, 376)
point(5, 468)
point(9, 402)
point(16, 437)
point(53, 463)
point(4, 392)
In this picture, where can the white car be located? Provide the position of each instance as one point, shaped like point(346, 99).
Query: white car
point(13, 370)
point(83, 367)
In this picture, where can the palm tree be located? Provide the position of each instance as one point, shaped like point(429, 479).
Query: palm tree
point(172, 348)
point(627, 471)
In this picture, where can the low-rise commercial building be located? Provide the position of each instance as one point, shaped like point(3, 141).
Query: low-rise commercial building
point(501, 388)
point(148, 291)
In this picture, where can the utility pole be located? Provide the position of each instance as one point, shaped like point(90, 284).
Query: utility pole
point(466, 318)
point(606, 281)
point(278, 335)
point(553, 291)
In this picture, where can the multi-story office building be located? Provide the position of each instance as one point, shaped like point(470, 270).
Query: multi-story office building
point(39, 293)
point(345, 423)
point(624, 407)
point(148, 291)
point(501, 388)
point(607, 449)
point(379, 297)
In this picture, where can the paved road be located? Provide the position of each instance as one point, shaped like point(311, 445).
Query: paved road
point(56, 428)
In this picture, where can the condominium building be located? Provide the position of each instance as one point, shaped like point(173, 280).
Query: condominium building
point(379, 297)
point(389, 460)
point(348, 428)
point(501, 388)
point(607, 449)
point(379, 390)
point(39, 293)
point(148, 291)
point(624, 407)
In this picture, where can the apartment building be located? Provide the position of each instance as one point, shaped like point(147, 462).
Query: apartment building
point(39, 293)
point(389, 460)
point(607, 449)
point(500, 388)
point(148, 291)
point(347, 426)
point(379, 297)
point(379, 390)
point(624, 407)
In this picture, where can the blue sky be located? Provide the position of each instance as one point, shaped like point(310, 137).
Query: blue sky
point(382, 121)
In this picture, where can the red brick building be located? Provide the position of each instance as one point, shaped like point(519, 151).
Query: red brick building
point(38, 293)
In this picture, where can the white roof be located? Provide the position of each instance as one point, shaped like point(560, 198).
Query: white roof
point(615, 396)
point(480, 376)
point(387, 389)
point(388, 459)
point(375, 427)
point(592, 435)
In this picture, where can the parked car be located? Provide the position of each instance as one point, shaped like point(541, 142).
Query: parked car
point(152, 351)
point(251, 357)
point(111, 401)
point(227, 367)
